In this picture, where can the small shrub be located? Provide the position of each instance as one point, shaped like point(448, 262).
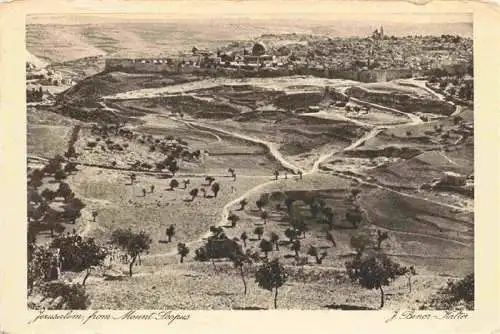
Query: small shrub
point(73, 296)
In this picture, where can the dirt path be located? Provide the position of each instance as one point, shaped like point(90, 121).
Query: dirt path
point(219, 139)
point(448, 159)
point(422, 235)
point(273, 149)
point(285, 83)
point(415, 119)
point(421, 84)
point(336, 116)
point(355, 178)
point(312, 266)
point(457, 111)
point(147, 172)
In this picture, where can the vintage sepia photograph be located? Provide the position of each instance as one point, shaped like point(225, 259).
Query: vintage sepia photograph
point(237, 162)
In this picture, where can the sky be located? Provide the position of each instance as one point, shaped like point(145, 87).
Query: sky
point(305, 17)
point(332, 24)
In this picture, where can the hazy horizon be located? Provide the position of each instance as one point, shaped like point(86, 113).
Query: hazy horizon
point(310, 17)
point(333, 24)
point(341, 27)
point(67, 37)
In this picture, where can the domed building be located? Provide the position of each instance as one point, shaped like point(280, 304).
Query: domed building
point(258, 49)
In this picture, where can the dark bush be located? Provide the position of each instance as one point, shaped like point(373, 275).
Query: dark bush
point(73, 296)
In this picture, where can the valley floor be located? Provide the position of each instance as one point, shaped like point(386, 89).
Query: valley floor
point(433, 233)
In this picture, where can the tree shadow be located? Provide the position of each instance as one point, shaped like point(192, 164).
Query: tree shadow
point(345, 256)
point(342, 227)
point(348, 307)
point(249, 308)
point(289, 256)
point(221, 293)
point(114, 277)
point(187, 200)
point(209, 196)
point(227, 226)
point(163, 241)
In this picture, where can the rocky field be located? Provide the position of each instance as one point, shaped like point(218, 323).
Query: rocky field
point(292, 143)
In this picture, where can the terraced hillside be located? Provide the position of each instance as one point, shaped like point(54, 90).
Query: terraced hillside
point(304, 149)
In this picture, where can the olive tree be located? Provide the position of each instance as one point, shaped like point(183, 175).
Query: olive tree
point(290, 234)
point(243, 203)
point(132, 243)
point(313, 251)
point(259, 231)
point(215, 188)
point(374, 272)
point(193, 193)
point(170, 232)
point(381, 236)
point(274, 238)
point(239, 261)
point(79, 253)
point(264, 216)
point(354, 217)
point(244, 238)
point(173, 184)
point(266, 246)
point(295, 247)
point(271, 276)
point(233, 219)
point(182, 250)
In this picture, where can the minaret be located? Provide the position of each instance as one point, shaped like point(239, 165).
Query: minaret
point(381, 32)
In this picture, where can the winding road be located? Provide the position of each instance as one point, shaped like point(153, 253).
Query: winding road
point(273, 149)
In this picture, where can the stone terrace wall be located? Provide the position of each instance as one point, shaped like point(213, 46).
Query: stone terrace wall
point(141, 65)
point(163, 65)
point(402, 102)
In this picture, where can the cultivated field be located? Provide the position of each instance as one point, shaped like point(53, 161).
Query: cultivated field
point(199, 286)
point(249, 126)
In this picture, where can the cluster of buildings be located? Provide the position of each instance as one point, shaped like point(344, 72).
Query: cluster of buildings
point(45, 77)
point(43, 83)
point(378, 34)
point(320, 55)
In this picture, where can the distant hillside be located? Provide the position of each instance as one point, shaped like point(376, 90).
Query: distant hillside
point(35, 61)
point(66, 42)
